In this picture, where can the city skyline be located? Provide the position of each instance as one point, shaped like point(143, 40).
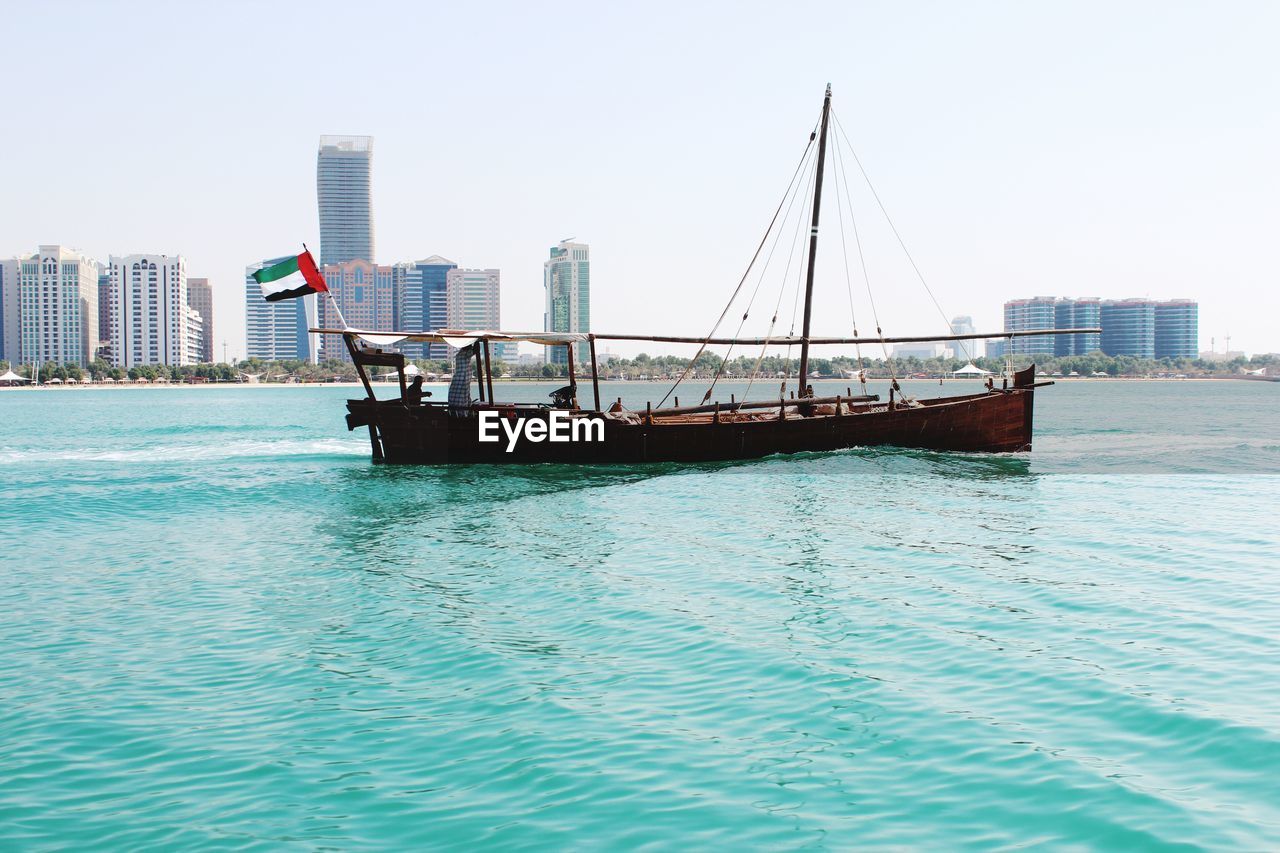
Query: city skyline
point(1094, 169)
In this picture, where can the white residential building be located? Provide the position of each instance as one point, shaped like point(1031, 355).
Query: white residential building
point(58, 307)
point(194, 342)
point(148, 310)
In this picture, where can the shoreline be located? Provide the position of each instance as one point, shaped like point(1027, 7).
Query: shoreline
point(161, 386)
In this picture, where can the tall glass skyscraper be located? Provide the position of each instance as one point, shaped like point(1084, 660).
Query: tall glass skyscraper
point(346, 205)
point(274, 330)
point(424, 303)
point(566, 276)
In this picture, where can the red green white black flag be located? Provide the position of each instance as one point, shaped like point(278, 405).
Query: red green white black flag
point(289, 278)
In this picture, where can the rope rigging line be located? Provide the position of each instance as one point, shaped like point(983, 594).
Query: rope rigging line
point(894, 228)
point(795, 300)
point(747, 272)
point(848, 279)
point(782, 288)
point(866, 277)
point(759, 281)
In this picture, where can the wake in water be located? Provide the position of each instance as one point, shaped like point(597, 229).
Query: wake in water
point(230, 450)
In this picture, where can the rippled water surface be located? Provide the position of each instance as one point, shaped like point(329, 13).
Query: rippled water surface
point(220, 625)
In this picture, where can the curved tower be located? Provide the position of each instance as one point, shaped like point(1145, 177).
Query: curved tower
point(346, 204)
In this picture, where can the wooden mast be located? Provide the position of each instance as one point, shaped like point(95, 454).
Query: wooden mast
point(813, 244)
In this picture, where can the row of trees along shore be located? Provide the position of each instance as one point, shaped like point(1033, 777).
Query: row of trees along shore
point(663, 367)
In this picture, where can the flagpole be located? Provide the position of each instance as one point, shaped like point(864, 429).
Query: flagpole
point(336, 309)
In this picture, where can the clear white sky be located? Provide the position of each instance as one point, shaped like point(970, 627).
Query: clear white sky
point(1061, 148)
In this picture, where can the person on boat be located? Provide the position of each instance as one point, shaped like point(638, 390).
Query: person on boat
point(414, 393)
point(460, 387)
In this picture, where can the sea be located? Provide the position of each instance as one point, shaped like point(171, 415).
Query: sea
point(222, 626)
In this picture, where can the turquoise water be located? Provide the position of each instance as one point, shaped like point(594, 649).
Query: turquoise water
point(222, 626)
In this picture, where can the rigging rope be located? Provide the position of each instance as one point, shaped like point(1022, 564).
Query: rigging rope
point(782, 289)
point(848, 279)
point(857, 237)
point(746, 273)
point(894, 228)
point(759, 281)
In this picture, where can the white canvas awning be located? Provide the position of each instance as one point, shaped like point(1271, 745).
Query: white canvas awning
point(971, 369)
point(10, 376)
point(458, 338)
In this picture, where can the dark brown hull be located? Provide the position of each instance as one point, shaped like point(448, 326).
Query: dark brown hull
point(992, 422)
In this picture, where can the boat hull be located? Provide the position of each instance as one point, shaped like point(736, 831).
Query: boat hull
point(993, 422)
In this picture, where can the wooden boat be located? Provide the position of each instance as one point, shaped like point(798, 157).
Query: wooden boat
point(406, 430)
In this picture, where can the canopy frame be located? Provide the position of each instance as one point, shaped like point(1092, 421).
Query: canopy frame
point(388, 338)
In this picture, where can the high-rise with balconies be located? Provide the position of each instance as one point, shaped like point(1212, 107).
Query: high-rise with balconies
point(1177, 328)
point(1085, 313)
point(1022, 315)
point(148, 310)
point(424, 303)
point(1129, 327)
point(58, 307)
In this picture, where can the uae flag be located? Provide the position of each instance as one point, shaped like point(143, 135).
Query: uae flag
point(289, 278)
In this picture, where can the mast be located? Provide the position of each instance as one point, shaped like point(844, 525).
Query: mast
point(813, 243)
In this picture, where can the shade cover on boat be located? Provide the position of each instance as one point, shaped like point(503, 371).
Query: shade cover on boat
point(458, 338)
